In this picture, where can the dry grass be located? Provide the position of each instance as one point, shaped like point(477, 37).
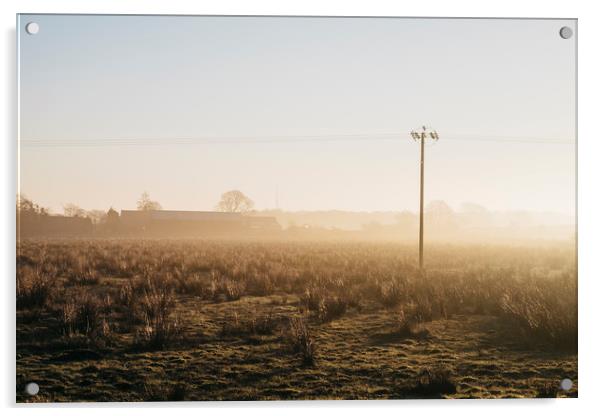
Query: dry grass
point(302, 341)
point(34, 287)
point(326, 305)
point(411, 315)
point(435, 382)
point(156, 307)
point(541, 315)
point(236, 307)
point(255, 324)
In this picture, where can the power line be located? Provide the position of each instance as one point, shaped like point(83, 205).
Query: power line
point(215, 140)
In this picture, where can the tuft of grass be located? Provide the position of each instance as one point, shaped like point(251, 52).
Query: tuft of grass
point(411, 314)
point(435, 382)
point(332, 307)
point(232, 290)
point(327, 306)
point(164, 393)
point(547, 391)
point(260, 284)
point(231, 326)
point(263, 324)
point(222, 288)
point(82, 316)
point(302, 341)
point(391, 293)
point(160, 328)
point(191, 284)
point(34, 288)
point(84, 277)
point(312, 297)
point(256, 325)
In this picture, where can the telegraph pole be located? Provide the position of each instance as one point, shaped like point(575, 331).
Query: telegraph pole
point(422, 134)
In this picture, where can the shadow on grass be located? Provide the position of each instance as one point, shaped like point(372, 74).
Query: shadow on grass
point(393, 337)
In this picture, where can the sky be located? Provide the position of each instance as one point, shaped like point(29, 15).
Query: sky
point(298, 113)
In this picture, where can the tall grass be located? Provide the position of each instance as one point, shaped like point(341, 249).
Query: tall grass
point(543, 311)
point(160, 327)
point(302, 340)
point(34, 287)
point(532, 290)
point(255, 324)
point(412, 314)
point(326, 305)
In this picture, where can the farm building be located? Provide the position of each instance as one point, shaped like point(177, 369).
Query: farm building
point(33, 225)
point(194, 223)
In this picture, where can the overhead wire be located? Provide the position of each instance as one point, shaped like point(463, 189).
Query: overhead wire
point(284, 139)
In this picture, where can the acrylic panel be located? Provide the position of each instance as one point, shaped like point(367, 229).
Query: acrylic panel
point(295, 208)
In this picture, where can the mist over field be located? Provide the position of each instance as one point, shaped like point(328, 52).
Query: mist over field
point(471, 223)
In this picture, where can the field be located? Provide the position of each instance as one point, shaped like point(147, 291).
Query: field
point(133, 320)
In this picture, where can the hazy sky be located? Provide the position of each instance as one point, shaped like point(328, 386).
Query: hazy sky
point(506, 85)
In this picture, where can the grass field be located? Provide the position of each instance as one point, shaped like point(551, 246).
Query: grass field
point(127, 320)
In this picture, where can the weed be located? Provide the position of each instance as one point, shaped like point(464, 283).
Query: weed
point(547, 390)
point(165, 393)
point(434, 382)
point(302, 340)
point(156, 308)
point(34, 288)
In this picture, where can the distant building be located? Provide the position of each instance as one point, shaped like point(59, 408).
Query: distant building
point(194, 223)
point(262, 223)
point(53, 226)
point(152, 223)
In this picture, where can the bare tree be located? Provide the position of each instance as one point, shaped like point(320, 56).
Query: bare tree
point(97, 216)
point(27, 206)
point(234, 201)
point(146, 204)
point(72, 210)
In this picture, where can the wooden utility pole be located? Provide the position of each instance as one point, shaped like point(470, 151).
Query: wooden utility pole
point(422, 135)
point(421, 243)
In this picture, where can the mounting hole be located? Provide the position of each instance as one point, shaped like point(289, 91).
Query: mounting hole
point(566, 384)
point(32, 389)
point(32, 28)
point(566, 32)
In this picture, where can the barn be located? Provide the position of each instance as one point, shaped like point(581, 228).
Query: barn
point(29, 225)
point(194, 223)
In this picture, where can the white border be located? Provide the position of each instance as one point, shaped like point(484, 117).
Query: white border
point(590, 207)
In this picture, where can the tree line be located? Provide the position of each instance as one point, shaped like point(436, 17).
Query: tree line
point(230, 201)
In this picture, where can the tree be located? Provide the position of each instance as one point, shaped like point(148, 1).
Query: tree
point(440, 216)
point(406, 220)
point(474, 215)
point(72, 210)
point(28, 207)
point(97, 216)
point(146, 204)
point(439, 209)
point(234, 201)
